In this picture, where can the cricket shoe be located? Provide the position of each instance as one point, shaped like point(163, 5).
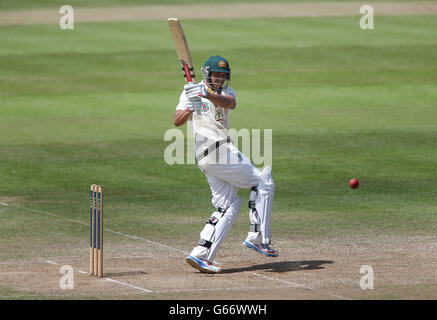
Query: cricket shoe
point(202, 265)
point(261, 248)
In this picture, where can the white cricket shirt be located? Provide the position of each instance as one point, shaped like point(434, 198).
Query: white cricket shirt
point(209, 127)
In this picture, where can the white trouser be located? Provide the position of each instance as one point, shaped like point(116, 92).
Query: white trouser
point(224, 180)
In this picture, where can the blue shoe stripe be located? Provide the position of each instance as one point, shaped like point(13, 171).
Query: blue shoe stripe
point(198, 261)
point(258, 250)
point(203, 265)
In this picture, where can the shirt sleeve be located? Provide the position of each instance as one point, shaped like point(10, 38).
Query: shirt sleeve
point(230, 92)
point(182, 101)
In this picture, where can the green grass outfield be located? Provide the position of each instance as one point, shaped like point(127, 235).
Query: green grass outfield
point(91, 105)
point(42, 4)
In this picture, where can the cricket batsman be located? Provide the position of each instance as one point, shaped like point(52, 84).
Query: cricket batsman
point(224, 166)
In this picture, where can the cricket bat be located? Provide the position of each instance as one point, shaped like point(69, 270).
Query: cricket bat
point(182, 50)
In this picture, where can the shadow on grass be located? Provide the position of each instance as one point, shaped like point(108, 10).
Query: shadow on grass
point(283, 266)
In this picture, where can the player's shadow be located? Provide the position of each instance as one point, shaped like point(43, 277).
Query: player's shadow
point(125, 273)
point(283, 266)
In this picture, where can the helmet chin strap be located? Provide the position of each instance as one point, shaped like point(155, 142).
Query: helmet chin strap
point(214, 89)
point(207, 77)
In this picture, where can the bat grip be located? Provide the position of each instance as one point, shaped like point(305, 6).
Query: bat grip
point(189, 79)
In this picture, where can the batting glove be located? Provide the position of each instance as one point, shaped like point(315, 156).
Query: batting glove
point(194, 104)
point(196, 90)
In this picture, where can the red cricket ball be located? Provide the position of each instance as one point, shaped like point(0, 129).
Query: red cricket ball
point(353, 183)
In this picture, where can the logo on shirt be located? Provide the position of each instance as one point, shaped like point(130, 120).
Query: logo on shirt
point(218, 116)
point(204, 108)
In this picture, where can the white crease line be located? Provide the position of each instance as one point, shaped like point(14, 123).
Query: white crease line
point(340, 297)
point(83, 272)
point(73, 295)
point(129, 285)
point(54, 215)
point(170, 248)
point(284, 281)
point(107, 279)
point(148, 241)
point(300, 285)
point(44, 260)
point(109, 230)
point(39, 260)
point(217, 289)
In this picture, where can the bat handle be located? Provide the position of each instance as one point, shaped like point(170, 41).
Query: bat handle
point(197, 111)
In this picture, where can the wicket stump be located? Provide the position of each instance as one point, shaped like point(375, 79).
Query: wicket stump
point(96, 230)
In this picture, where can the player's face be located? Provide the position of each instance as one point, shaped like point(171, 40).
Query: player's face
point(218, 79)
